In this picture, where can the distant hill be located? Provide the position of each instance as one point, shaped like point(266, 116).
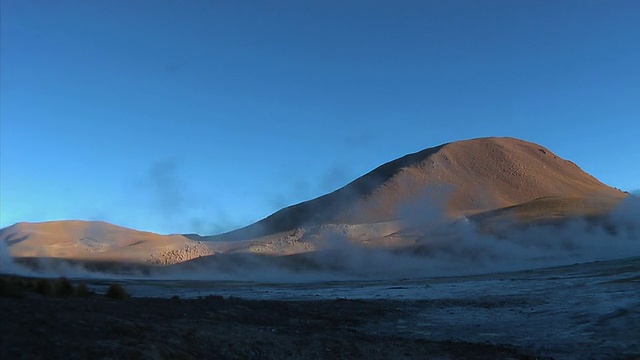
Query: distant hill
point(463, 177)
point(97, 241)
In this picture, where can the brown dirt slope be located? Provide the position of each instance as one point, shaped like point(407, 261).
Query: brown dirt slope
point(464, 177)
point(96, 240)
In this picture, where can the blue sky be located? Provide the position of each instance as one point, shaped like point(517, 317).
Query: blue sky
point(201, 116)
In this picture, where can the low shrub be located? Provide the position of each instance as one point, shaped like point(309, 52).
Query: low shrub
point(62, 287)
point(45, 287)
point(82, 290)
point(16, 286)
point(116, 291)
point(9, 287)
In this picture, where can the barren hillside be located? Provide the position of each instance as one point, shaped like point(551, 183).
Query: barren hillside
point(97, 241)
point(461, 178)
point(489, 179)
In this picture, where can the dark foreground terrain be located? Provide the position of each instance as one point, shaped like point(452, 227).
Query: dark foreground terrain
point(581, 311)
point(142, 328)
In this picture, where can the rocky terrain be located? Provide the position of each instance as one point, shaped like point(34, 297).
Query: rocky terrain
point(188, 252)
point(580, 311)
point(213, 327)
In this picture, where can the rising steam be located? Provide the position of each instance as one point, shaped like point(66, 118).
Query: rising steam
point(438, 247)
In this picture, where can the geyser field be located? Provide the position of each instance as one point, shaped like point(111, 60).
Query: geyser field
point(485, 248)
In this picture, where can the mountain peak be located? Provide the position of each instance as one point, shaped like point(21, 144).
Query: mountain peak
point(464, 177)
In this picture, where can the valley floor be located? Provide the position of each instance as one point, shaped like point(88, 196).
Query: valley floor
point(580, 311)
point(141, 328)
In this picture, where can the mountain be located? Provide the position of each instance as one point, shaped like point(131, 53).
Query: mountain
point(98, 241)
point(462, 178)
point(489, 180)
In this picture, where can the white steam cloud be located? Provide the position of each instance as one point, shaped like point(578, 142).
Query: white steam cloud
point(442, 248)
point(8, 265)
point(436, 247)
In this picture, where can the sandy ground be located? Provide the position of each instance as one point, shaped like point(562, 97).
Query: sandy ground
point(580, 311)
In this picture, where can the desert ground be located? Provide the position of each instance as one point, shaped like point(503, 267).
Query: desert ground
point(580, 311)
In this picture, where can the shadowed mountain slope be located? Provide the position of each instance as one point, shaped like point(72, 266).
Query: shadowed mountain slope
point(463, 178)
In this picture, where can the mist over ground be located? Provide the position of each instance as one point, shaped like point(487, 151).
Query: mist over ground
point(443, 248)
point(437, 246)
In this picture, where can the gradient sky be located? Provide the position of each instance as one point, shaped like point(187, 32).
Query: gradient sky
point(201, 116)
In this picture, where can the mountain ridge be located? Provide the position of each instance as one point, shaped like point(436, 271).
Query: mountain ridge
point(455, 173)
point(487, 180)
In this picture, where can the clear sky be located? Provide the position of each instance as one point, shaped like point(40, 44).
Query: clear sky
point(201, 116)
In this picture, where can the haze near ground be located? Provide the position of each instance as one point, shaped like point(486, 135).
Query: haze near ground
point(489, 202)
